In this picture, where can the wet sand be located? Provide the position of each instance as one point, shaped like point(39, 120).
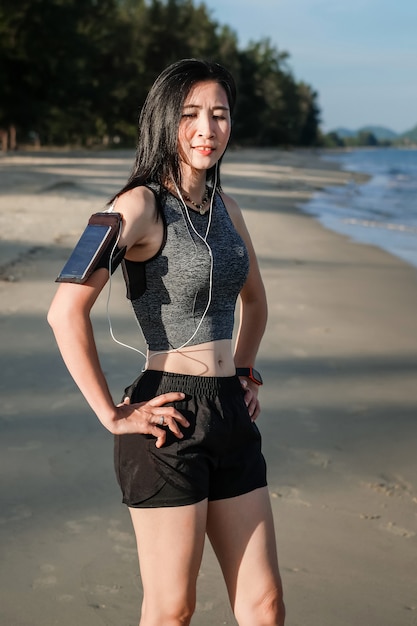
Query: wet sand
point(339, 423)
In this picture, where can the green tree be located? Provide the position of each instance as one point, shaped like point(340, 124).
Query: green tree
point(78, 71)
point(331, 140)
point(268, 91)
point(366, 138)
point(53, 56)
point(273, 108)
point(309, 116)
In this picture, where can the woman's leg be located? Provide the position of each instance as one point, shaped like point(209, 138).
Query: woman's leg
point(170, 544)
point(241, 531)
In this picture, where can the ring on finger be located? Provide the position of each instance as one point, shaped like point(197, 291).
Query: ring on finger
point(161, 421)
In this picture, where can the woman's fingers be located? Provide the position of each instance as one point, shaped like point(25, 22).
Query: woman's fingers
point(165, 398)
point(256, 410)
point(165, 420)
point(251, 400)
point(152, 417)
point(159, 407)
point(253, 407)
point(168, 416)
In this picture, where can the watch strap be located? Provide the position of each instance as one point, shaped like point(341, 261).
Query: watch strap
point(251, 373)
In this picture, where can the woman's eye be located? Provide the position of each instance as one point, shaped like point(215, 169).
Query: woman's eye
point(188, 115)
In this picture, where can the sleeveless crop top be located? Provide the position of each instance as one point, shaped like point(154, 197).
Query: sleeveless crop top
point(170, 292)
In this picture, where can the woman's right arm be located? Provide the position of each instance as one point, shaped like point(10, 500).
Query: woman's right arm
point(69, 317)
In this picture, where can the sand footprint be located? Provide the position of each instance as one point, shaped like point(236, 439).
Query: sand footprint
point(76, 527)
point(106, 590)
point(296, 570)
point(47, 579)
point(16, 514)
point(394, 486)
point(65, 597)
point(205, 607)
point(318, 459)
point(125, 543)
point(398, 530)
point(289, 493)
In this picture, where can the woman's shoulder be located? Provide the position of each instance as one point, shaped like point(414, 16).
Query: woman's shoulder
point(139, 210)
point(137, 200)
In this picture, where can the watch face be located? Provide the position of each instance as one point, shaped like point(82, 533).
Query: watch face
point(256, 376)
point(250, 373)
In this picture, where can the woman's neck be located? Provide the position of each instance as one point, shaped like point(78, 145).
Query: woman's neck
point(193, 183)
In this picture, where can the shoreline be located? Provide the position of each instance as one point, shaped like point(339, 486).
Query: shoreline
point(338, 409)
point(381, 212)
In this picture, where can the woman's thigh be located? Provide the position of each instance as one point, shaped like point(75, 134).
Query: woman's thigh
point(170, 544)
point(241, 531)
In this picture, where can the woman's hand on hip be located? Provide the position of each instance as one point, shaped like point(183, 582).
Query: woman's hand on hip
point(251, 398)
point(150, 418)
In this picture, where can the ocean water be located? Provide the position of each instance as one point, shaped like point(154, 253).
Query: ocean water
point(381, 212)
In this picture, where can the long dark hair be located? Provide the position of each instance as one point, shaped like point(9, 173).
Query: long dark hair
point(157, 158)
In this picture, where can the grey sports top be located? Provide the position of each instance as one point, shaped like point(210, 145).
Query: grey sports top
point(171, 291)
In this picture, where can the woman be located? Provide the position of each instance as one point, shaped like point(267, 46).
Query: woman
point(187, 450)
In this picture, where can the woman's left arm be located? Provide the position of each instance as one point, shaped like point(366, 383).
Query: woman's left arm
point(253, 311)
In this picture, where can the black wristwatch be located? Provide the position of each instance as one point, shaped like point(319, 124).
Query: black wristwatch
point(251, 373)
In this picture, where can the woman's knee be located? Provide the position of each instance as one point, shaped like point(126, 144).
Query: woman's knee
point(168, 612)
point(266, 610)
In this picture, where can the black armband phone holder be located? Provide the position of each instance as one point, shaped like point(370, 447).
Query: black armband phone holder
point(96, 248)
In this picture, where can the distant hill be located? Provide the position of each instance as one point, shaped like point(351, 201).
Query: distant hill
point(344, 132)
point(410, 135)
point(380, 132)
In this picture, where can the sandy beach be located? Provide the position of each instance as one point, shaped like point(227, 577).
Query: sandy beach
point(339, 360)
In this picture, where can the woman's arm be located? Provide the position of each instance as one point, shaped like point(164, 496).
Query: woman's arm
point(69, 317)
point(253, 310)
point(253, 317)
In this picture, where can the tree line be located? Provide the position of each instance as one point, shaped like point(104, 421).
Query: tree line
point(75, 72)
point(368, 139)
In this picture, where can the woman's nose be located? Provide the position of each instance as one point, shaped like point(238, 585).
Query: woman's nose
point(205, 127)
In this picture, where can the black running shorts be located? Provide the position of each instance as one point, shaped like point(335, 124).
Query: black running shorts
point(219, 456)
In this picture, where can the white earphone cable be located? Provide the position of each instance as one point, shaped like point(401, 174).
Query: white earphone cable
point(204, 240)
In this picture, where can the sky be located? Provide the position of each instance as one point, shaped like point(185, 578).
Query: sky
point(359, 55)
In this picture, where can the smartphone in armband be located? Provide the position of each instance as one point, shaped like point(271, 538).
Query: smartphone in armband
point(96, 242)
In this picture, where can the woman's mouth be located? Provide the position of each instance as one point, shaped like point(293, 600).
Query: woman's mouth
point(204, 150)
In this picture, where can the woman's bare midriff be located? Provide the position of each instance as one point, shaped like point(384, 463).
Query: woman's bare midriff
point(206, 359)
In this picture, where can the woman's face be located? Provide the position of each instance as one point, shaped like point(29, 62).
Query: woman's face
point(205, 126)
